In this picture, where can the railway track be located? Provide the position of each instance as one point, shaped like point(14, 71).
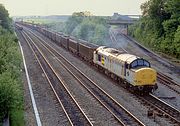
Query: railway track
point(123, 116)
point(72, 110)
point(161, 108)
point(114, 40)
point(167, 81)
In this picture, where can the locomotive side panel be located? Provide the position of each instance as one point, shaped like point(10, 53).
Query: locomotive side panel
point(129, 75)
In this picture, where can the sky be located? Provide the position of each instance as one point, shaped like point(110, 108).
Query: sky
point(67, 7)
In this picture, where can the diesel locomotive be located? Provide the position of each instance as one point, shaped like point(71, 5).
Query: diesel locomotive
point(134, 71)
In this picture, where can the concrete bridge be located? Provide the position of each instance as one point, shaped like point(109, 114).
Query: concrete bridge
point(123, 21)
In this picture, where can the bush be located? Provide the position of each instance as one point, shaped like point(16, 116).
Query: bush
point(9, 94)
point(177, 42)
point(11, 97)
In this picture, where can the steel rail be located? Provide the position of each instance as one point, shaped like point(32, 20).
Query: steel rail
point(72, 121)
point(162, 108)
point(166, 80)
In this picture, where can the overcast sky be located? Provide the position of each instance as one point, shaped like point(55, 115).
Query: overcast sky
point(67, 7)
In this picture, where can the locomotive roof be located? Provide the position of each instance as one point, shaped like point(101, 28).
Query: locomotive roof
point(129, 58)
point(119, 55)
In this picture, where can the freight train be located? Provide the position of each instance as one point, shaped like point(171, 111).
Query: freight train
point(133, 72)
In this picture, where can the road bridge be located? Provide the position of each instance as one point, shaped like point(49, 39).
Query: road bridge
point(123, 21)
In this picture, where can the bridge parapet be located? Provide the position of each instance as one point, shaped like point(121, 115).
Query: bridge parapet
point(121, 22)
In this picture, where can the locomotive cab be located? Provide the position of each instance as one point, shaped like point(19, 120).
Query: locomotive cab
point(144, 75)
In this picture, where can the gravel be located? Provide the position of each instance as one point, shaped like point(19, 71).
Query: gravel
point(168, 96)
point(49, 109)
point(28, 114)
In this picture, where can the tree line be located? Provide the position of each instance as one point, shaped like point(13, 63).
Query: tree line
point(5, 21)
point(159, 27)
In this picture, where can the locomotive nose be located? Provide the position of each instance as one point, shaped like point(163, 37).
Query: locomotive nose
point(145, 76)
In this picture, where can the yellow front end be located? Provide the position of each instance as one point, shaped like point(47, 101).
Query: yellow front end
point(145, 76)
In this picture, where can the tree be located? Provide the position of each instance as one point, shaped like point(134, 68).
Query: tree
point(177, 42)
point(4, 18)
point(85, 26)
point(145, 7)
point(9, 94)
point(173, 8)
point(159, 26)
point(75, 20)
point(170, 26)
point(86, 29)
point(82, 14)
